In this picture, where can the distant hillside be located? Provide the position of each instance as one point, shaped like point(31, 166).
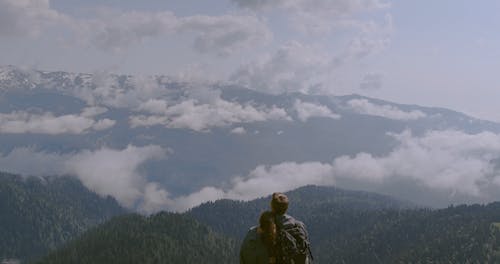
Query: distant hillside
point(463, 234)
point(161, 238)
point(359, 227)
point(41, 214)
point(306, 202)
point(344, 227)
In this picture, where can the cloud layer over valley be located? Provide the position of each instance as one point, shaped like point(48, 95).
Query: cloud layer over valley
point(445, 161)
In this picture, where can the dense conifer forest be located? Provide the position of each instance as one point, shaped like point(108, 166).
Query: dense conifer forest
point(161, 238)
point(59, 215)
point(41, 214)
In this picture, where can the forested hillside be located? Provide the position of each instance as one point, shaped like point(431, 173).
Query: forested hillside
point(344, 227)
point(233, 218)
point(161, 238)
point(358, 227)
point(41, 214)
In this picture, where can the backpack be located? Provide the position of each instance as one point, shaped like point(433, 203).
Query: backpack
point(292, 243)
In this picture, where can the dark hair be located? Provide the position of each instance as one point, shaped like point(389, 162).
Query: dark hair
point(267, 226)
point(266, 219)
point(279, 203)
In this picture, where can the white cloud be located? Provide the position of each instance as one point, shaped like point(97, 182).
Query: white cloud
point(262, 181)
point(146, 121)
point(27, 17)
point(363, 106)
point(103, 90)
point(201, 117)
point(295, 67)
point(103, 124)
point(238, 130)
point(114, 172)
point(307, 110)
point(154, 106)
point(314, 68)
point(371, 38)
point(443, 160)
point(93, 111)
point(371, 81)
point(337, 8)
point(183, 203)
point(316, 15)
point(155, 198)
point(105, 171)
point(221, 35)
point(225, 34)
point(114, 30)
point(47, 123)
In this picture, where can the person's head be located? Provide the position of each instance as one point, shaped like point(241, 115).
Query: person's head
point(279, 203)
point(267, 226)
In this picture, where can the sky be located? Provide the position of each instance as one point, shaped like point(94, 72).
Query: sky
point(431, 53)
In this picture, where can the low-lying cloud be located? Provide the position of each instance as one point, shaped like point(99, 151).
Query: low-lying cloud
point(106, 171)
point(20, 122)
point(115, 172)
point(238, 130)
point(262, 181)
point(448, 160)
point(306, 110)
point(444, 161)
point(363, 106)
point(197, 116)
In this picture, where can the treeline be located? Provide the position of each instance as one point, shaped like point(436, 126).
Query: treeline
point(357, 227)
point(161, 238)
point(331, 205)
point(38, 215)
point(41, 214)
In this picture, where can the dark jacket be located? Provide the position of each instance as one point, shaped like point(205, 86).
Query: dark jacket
point(253, 250)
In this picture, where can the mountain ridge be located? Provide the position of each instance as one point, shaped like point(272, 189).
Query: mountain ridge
point(215, 134)
point(338, 234)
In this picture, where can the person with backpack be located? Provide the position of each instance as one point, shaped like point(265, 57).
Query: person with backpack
point(292, 240)
point(259, 245)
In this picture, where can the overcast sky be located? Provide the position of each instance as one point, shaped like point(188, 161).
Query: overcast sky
point(434, 53)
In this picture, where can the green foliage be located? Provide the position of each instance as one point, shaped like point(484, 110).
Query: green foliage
point(40, 214)
point(322, 204)
point(344, 227)
point(161, 238)
point(358, 227)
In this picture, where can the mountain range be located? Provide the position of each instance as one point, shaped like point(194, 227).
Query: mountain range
point(176, 144)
